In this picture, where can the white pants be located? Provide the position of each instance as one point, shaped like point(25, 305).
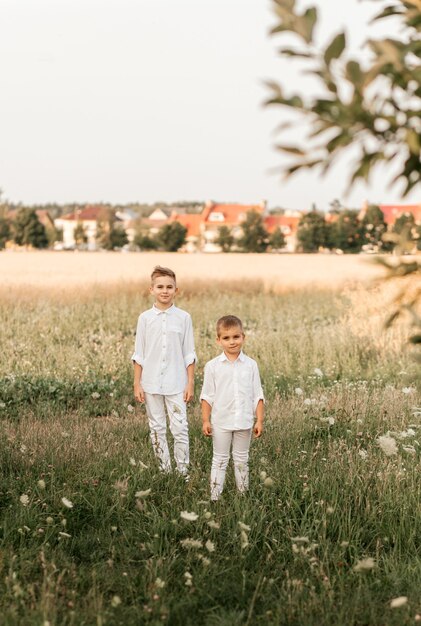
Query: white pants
point(176, 409)
point(222, 440)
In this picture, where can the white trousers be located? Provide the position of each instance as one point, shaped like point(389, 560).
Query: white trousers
point(222, 440)
point(157, 406)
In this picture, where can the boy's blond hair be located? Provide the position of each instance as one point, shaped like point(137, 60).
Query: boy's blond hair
point(162, 271)
point(228, 321)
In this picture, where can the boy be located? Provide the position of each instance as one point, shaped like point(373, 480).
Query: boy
point(232, 394)
point(164, 360)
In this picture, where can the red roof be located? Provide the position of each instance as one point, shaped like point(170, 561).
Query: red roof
point(90, 212)
point(191, 221)
point(392, 211)
point(233, 214)
point(272, 222)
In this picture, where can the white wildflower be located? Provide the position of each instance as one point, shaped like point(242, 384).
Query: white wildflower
point(130, 408)
point(132, 461)
point(307, 402)
point(65, 434)
point(95, 395)
point(244, 526)
point(24, 499)
point(318, 372)
point(2, 405)
point(300, 539)
point(408, 390)
point(191, 543)
point(23, 448)
point(364, 565)
point(41, 484)
point(67, 503)
point(363, 453)
point(398, 602)
point(204, 560)
point(65, 535)
point(409, 450)
point(298, 391)
point(189, 516)
point(115, 601)
point(244, 540)
point(263, 475)
point(344, 544)
point(210, 546)
point(49, 520)
point(188, 579)
point(213, 524)
point(207, 515)
point(160, 584)
point(268, 482)
point(388, 445)
point(143, 494)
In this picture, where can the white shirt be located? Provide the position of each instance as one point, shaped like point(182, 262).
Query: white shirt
point(164, 347)
point(233, 390)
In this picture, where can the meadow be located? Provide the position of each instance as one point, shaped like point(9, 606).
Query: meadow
point(92, 534)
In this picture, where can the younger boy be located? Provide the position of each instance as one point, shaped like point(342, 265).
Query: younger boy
point(232, 395)
point(164, 360)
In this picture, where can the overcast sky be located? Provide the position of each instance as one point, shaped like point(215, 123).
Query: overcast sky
point(148, 100)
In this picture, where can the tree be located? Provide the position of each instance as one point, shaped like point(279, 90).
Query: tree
point(145, 241)
point(118, 237)
point(312, 232)
point(372, 108)
point(172, 236)
point(347, 232)
point(277, 239)
point(375, 227)
point(4, 232)
point(79, 235)
point(28, 230)
point(225, 238)
point(255, 236)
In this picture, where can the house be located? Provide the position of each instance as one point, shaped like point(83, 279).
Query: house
point(392, 212)
point(88, 217)
point(192, 222)
point(288, 224)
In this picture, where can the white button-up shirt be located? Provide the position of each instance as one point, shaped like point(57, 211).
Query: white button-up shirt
point(164, 347)
point(233, 390)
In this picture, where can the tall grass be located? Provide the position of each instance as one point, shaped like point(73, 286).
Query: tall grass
point(323, 497)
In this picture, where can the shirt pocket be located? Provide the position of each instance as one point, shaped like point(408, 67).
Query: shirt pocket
point(175, 328)
point(246, 381)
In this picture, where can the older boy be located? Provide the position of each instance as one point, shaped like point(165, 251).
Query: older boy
point(164, 360)
point(232, 395)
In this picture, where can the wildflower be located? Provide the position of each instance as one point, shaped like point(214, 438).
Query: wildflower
point(263, 475)
point(344, 544)
point(210, 546)
point(307, 401)
point(115, 601)
point(364, 565)
point(268, 482)
point(188, 579)
point(121, 485)
point(318, 372)
point(2, 405)
point(160, 584)
point(213, 524)
point(244, 526)
point(408, 390)
point(409, 450)
point(95, 395)
point(65, 535)
point(300, 539)
point(191, 543)
point(330, 510)
point(298, 391)
point(204, 559)
point(24, 499)
point(398, 602)
point(363, 453)
point(244, 540)
point(49, 520)
point(67, 503)
point(23, 448)
point(113, 529)
point(189, 516)
point(208, 515)
point(65, 434)
point(388, 445)
point(41, 484)
point(132, 461)
point(143, 494)
point(130, 408)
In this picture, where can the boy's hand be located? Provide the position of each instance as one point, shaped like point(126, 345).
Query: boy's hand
point(188, 392)
point(258, 429)
point(139, 394)
point(207, 428)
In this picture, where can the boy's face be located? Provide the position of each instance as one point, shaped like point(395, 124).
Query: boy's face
point(164, 289)
point(231, 340)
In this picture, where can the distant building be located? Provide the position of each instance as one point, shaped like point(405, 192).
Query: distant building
point(288, 224)
point(88, 217)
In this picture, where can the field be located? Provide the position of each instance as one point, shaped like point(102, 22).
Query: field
point(92, 534)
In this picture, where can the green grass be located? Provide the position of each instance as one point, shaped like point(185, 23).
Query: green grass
point(65, 403)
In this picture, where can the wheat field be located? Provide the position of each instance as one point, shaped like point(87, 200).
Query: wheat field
point(92, 534)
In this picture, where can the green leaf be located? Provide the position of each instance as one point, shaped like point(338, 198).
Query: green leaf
point(387, 12)
point(335, 48)
point(353, 73)
point(304, 24)
point(413, 140)
point(290, 150)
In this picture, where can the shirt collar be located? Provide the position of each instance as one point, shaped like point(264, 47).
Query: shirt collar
point(158, 311)
point(241, 357)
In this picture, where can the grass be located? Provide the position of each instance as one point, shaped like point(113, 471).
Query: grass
point(334, 383)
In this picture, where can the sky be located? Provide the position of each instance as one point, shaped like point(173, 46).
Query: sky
point(156, 100)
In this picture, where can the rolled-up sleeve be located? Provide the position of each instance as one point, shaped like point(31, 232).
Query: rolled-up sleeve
point(208, 389)
point(189, 353)
point(257, 388)
point(138, 355)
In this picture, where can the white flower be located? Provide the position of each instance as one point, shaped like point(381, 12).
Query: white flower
point(160, 584)
point(244, 526)
point(307, 402)
point(244, 540)
point(143, 494)
point(268, 482)
point(210, 546)
point(189, 579)
point(409, 450)
point(363, 453)
point(263, 475)
point(388, 445)
point(207, 515)
point(298, 391)
point(2, 405)
point(191, 543)
point(189, 516)
point(408, 390)
point(318, 372)
point(67, 503)
point(213, 524)
point(65, 535)
point(24, 499)
point(130, 408)
point(41, 484)
point(132, 461)
point(300, 539)
point(23, 448)
point(398, 602)
point(344, 544)
point(364, 565)
point(95, 395)
point(115, 601)
point(49, 520)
